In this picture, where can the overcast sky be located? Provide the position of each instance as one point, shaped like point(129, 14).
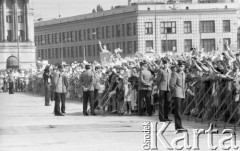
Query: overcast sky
point(52, 8)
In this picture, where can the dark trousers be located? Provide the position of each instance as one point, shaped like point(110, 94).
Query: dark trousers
point(147, 95)
point(20, 85)
point(47, 93)
point(10, 87)
point(59, 97)
point(88, 96)
point(164, 99)
point(95, 98)
point(177, 112)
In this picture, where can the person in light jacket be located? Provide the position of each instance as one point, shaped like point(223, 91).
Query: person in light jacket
point(177, 84)
point(60, 85)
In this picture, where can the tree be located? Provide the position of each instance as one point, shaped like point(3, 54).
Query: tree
point(94, 11)
point(99, 8)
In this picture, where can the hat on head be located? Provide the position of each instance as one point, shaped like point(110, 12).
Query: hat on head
point(60, 66)
point(180, 63)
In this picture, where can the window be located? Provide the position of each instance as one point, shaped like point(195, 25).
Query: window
point(49, 54)
point(113, 46)
point(56, 53)
point(134, 29)
point(108, 45)
point(208, 44)
point(79, 35)
point(48, 38)
point(71, 36)
point(76, 35)
point(60, 53)
point(98, 33)
point(118, 31)
point(135, 47)
point(53, 55)
point(64, 52)
point(63, 37)
point(123, 30)
point(9, 19)
point(84, 34)
point(98, 50)
point(207, 26)
point(129, 29)
point(119, 45)
point(60, 37)
point(169, 45)
point(226, 43)
point(187, 45)
point(76, 51)
point(20, 18)
point(88, 34)
point(129, 47)
point(123, 48)
point(80, 51)
point(68, 52)
point(112, 31)
point(107, 31)
point(9, 35)
point(93, 33)
point(226, 26)
point(103, 33)
point(46, 54)
point(148, 28)
point(187, 27)
point(168, 27)
point(42, 53)
point(72, 52)
point(89, 50)
point(21, 35)
point(149, 45)
point(94, 51)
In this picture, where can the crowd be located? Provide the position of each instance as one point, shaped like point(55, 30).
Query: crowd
point(195, 82)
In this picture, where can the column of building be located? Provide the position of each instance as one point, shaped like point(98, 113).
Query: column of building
point(15, 21)
point(3, 17)
point(27, 20)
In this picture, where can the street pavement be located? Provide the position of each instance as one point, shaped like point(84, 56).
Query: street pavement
point(27, 125)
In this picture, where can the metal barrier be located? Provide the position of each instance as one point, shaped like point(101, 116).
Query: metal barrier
point(213, 104)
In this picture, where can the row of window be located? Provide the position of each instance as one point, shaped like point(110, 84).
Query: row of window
point(129, 47)
point(120, 30)
point(9, 19)
point(171, 45)
point(10, 36)
point(170, 27)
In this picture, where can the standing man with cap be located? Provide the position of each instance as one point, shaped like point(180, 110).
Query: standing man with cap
point(60, 85)
point(145, 87)
point(178, 93)
point(46, 79)
point(163, 83)
point(87, 79)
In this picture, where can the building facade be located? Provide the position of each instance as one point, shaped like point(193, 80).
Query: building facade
point(17, 49)
point(140, 27)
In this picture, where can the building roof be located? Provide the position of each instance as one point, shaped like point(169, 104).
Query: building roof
point(161, 8)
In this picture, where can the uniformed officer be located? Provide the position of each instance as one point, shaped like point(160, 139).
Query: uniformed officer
point(178, 93)
point(163, 83)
